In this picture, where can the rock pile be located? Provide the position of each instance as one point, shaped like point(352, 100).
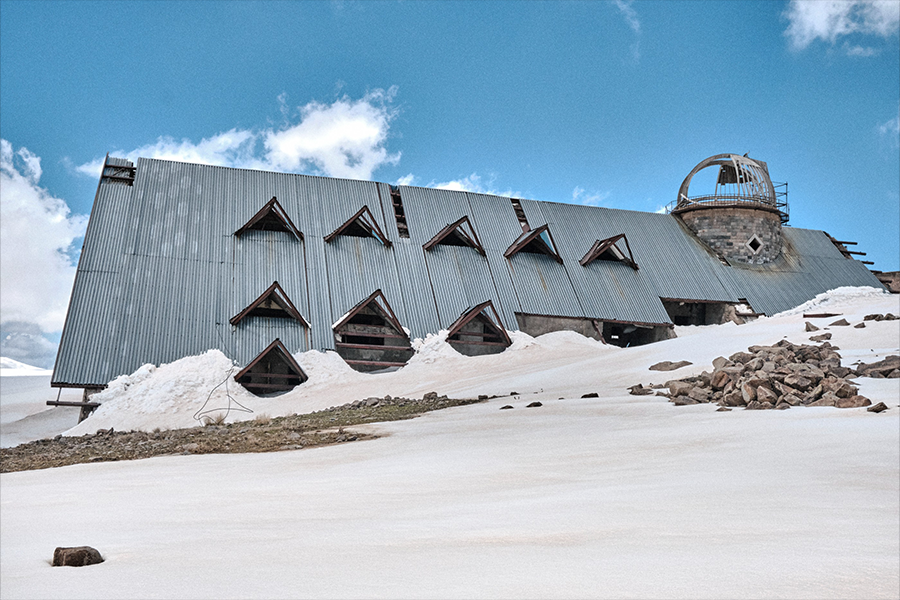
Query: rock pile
point(779, 376)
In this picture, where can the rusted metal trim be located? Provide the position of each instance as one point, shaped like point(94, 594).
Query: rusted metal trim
point(473, 312)
point(641, 323)
point(372, 346)
point(472, 239)
point(374, 362)
point(86, 386)
point(533, 236)
point(601, 246)
point(272, 290)
point(68, 403)
point(273, 207)
point(372, 226)
point(386, 308)
point(275, 346)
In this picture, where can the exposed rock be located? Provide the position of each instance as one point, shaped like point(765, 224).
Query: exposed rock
point(430, 397)
point(506, 407)
point(720, 362)
point(723, 409)
point(839, 323)
point(895, 374)
point(733, 399)
point(859, 326)
point(700, 394)
point(782, 406)
point(679, 388)
point(764, 395)
point(827, 399)
point(741, 357)
point(667, 365)
point(798, 382)
point(748, 393)
point(639, 390)
point(76, 556)
point(811, 327)
point(593, 394)
point(875, 317)
point(754, 405)
point(719, 379)
point(820, 338)
point(533, 405)
point(684, 401)
point(881, 406)
point(883, 367)
point(853, 402)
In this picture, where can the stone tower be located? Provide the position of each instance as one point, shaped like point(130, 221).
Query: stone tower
point(741, 218)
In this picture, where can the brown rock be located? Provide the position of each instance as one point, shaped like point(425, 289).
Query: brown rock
point(679, 388)
point(839, 323)
point(506, 407)
point(533, 405)
point(748, 393)
point(798, 382)
point(827, 399)
point(741, 357)
point(639, 390)
point(782, 406)
point(754, 405)
point(684, 401)
point(820, 338)
point(593, 394)
point(811, 327)
point(765, 395)
point(895, 374)
point(667, 365)
point(723, 409)
point(881, 406)
point(429, 397)
point(875, 317)
point(719, 362)
point(859, 326)
point(852, 402)
point(700, 394)
point(76, 556)
point(719, 379)
point(733, 399)
point(792, 399)
point(883, 367)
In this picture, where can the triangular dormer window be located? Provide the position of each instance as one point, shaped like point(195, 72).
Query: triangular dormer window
point(271, 217)
point(273, 302)
point(458, 233)
point(478, 330)
point(273, 370)
point(370, 337)
point(362, 224)
point(610, 249)
point(535, 241)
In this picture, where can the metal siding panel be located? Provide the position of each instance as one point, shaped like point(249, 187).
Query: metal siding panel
point(416, 290)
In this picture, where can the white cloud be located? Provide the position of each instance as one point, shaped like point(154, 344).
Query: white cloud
point(631, 17)
point(829, 20)
point(36, 230)
point(595, 199)
point(473, 183)
point(406, 180)
point(343, 139)
point(891, 128)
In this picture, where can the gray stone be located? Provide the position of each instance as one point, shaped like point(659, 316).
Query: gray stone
point(679, 388)
point(719, 379)
point(798, 382)
point(881, 406)
point(827, 399)
point(592, 395)
point(639, 390)
point(859, 326)
point(839, 323)
point(811, 327)
point(723, 409)
point(533, 405)
point(820, 338)
point(506, 407)
point(667, 365)
point(76, 556)
point(684, 401)
point(733, 399)
point(699, 393)
point(853, 402)
point(720, 362)
point(765, 395)
point(431, 397)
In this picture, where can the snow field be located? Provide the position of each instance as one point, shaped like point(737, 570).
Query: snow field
point(609, 497)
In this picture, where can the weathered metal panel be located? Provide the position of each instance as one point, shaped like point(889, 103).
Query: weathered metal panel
point(416, 290)
point(104, 240)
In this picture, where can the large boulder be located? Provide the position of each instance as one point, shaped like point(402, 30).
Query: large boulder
point(852, 402)
point(668, 365)
point(76, 556)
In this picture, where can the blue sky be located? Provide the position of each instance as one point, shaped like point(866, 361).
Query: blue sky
point(605, 103)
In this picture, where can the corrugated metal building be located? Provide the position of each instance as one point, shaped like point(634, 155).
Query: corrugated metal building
point(162, 272)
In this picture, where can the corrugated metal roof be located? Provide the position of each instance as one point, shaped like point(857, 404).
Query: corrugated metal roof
point(161, 274)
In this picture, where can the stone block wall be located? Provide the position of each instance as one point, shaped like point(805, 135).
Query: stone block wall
point(730, 231)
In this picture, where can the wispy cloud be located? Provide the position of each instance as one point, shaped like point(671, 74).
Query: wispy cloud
point(36, 233)
point(346, 138)
point(474, 183)
point(891, 129)
point(631, 17)
point(579, 196)
point(829, 20)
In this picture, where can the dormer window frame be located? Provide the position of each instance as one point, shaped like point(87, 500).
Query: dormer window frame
point(534, 236)
point(472, 313)
point(279, 348)
point(271, 207)
point(280, 295)
point(367, 221)
point(468, 236)
point(609, 245)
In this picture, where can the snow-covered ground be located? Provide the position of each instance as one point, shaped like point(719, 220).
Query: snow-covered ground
point(616, 496)
point(24, 414)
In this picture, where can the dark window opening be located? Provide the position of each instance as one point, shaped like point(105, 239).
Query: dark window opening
point(520, 213)
point(478, 331)
point(362, 224)
point(755, 244)
point(370, 338)
point(273, 302)
point(271, 217)
point(399, 213)
point(458, 233)
point(610, 250)
point(536, 241)
point(626, 335)
point(686, 312)
point(273, 370)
